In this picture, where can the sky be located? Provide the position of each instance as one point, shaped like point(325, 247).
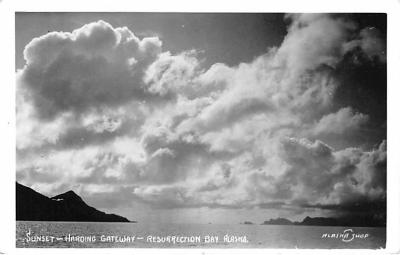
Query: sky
point(222, 118)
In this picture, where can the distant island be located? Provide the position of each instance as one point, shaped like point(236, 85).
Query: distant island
point(349, 221)
point(278, 221)
point(68, 206)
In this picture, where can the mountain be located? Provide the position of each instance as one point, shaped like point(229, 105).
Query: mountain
point(278, 221)
point(320, 221)
point(349, 221)
point(68, 206)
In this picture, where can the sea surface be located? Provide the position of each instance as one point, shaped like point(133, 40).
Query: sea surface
point(32, 234)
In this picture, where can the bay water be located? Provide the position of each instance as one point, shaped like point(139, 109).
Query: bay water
point(33, 234)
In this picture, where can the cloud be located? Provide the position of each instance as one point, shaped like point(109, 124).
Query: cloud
point(315, 176)
point(172, 73)
point(93, 67)
point(319, 174)
point(288, 77)
point(313, 40)
point(343, 121)
point(115, 115)
point(371, 44)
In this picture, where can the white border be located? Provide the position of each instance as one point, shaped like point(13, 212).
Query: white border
point(7, 102)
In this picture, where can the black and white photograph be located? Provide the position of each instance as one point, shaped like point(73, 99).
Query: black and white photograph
point(197, 130)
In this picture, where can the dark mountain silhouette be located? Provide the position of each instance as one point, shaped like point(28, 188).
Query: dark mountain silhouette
point(349, 221)
point(278, 221)
point(68, 206)
point(320, 221)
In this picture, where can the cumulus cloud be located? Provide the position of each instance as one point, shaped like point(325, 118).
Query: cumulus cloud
point(344, 120)
point(114, 114)
point(172, 73)
point(315, 175)
point(313, 40)
point(92, 67)
point(333, 177)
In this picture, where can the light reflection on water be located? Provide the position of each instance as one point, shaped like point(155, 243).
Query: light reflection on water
point(258, 236)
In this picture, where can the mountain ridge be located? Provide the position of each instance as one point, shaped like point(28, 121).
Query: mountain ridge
point(348, 221)
point(67, 206)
